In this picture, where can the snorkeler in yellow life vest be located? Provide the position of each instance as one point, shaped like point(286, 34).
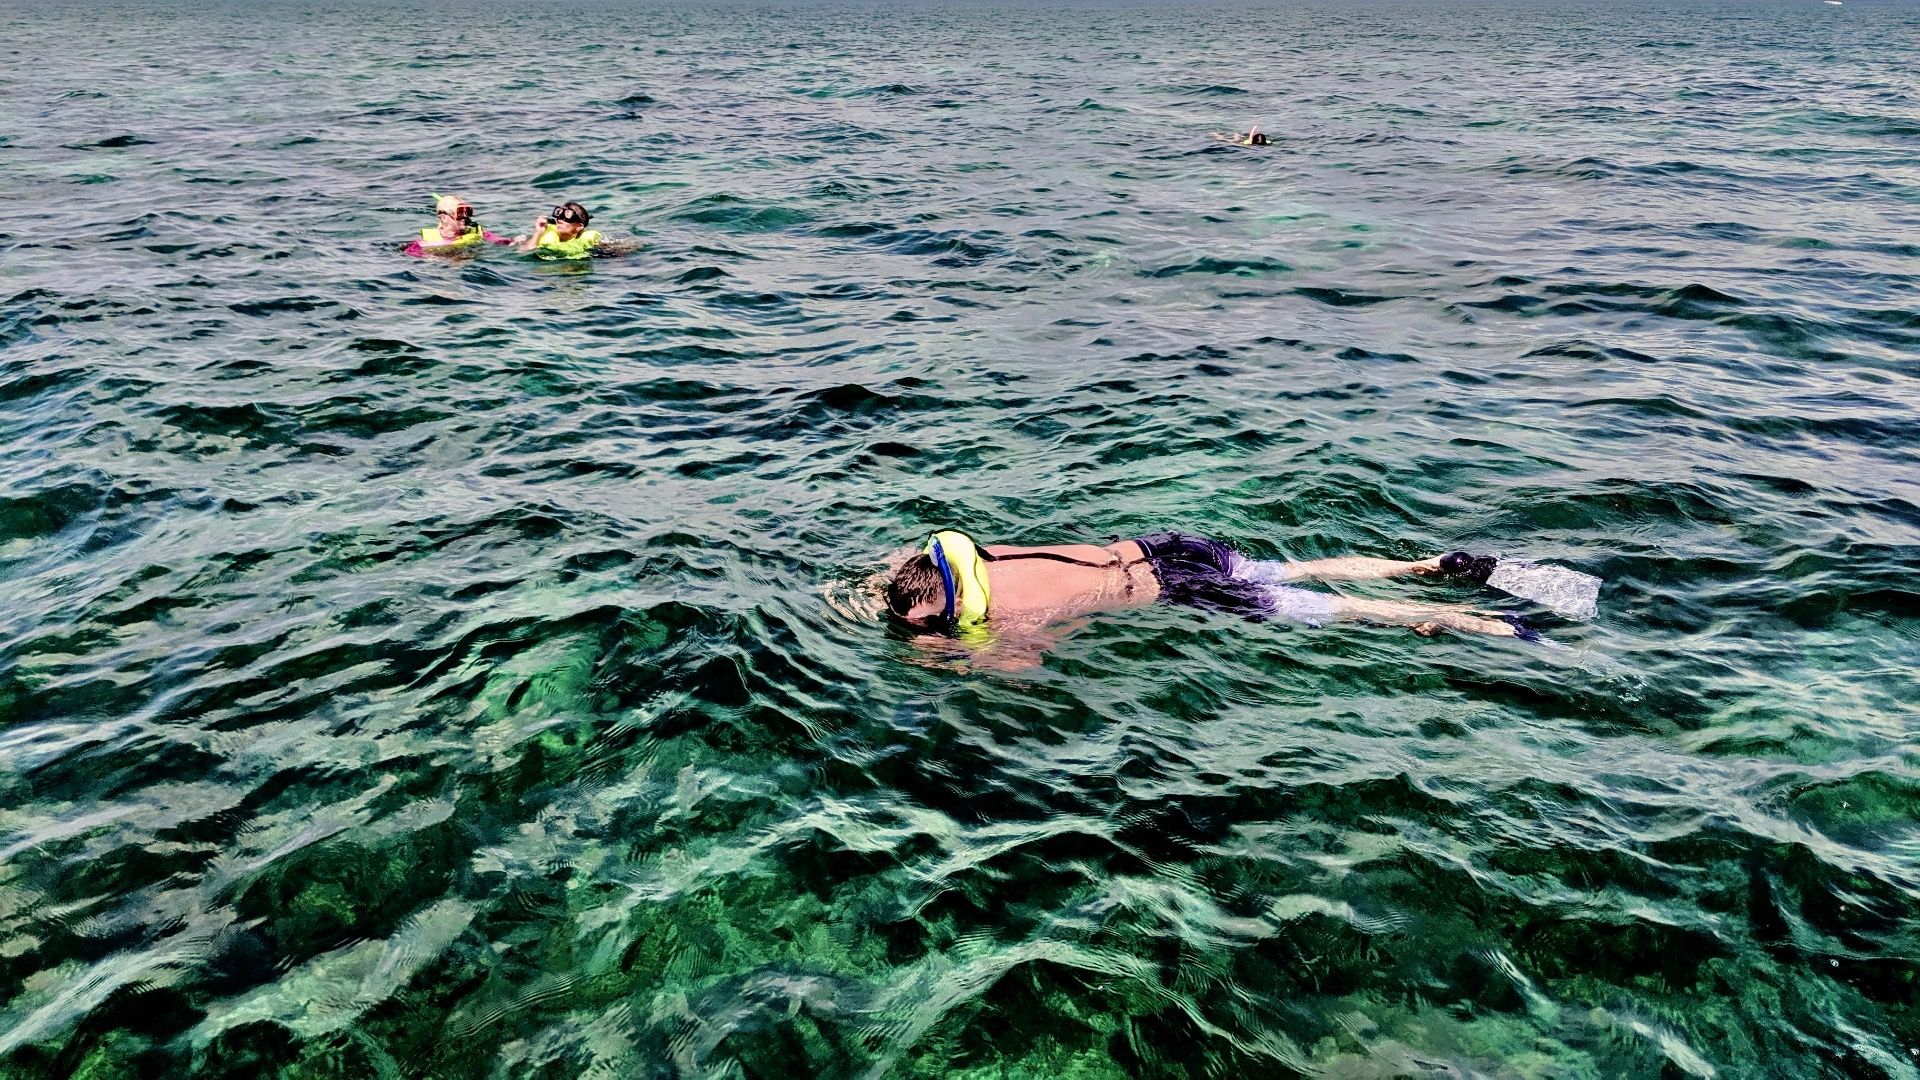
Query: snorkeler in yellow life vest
point(1016, 599)
point(457, 230)
point(565, 234)
point(431, 238)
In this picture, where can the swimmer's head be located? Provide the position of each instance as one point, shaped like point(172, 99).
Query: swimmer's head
point(456, 216)
point(1256, 139)
point(916, 595)
point(569, 220)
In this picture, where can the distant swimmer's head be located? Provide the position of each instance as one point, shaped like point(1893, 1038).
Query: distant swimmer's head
point(456, 216)
point(1250, 137)
point(569, 220)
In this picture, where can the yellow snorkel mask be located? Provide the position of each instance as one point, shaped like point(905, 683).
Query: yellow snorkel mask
point(964, 574)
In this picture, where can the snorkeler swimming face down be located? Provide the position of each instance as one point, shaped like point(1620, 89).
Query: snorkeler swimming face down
point(953, 586)
point(952, 563)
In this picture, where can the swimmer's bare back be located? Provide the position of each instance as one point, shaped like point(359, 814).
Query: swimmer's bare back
point(1038, 585)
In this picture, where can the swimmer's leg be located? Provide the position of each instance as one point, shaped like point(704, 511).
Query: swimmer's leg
point(1351, 568)
point(1318, 609)
point(1425, 619)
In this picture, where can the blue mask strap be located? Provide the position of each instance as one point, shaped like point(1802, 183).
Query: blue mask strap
point(946, 577)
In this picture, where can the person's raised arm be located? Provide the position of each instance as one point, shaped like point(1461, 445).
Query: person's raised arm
point(531, 241)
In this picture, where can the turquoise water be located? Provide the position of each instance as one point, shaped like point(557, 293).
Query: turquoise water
point(432, 668)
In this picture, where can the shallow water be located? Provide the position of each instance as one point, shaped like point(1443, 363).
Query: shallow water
point(426, 668)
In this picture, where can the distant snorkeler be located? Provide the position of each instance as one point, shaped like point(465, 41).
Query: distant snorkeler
point(563, 234)
point(1250, 137)
point(953, 586)
point(457, 230)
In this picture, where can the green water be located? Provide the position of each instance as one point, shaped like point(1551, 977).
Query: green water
point(430, 668)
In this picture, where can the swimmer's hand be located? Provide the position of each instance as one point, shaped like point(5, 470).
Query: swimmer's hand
point(529, 242)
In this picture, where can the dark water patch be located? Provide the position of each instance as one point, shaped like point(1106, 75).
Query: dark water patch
point(45, 513)
point(948, 248)
point(698, 274)
point(15, 386)
point(1862, 125)
point(277, 305)
point(1340, 298)
point(1202, 90)
point(853, 230)
point(754, 301)
point(1212, 265)
point(1358, 354)
point(112, 142)
point(740, 215)
point(564, 179)
point(840, 189)
point(857, 400)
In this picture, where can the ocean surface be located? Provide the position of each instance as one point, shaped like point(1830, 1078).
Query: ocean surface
point(452, 668)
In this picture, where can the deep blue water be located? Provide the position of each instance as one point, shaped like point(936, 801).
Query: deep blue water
point(439, 667)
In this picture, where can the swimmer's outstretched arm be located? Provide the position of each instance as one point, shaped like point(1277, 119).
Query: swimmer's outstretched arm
point(1426, 619)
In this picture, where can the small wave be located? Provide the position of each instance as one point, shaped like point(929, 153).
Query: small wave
point(112, 142)
point(740, 215)
point(1204, 90)
point(1340, 297)
point(943, 248)
point(1214, 265)
point(47, 512)
point(1862, 125)
point(699, 274)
